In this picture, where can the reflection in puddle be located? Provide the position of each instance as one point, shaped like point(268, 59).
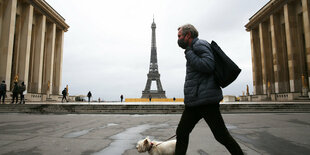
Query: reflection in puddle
point(124, 140)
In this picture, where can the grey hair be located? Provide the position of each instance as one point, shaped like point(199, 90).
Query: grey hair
point(189, 28)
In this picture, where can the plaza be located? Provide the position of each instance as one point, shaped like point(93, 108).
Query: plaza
point(32, 51)
point(106, 134)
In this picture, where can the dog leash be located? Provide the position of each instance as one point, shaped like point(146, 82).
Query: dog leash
point(166, 140)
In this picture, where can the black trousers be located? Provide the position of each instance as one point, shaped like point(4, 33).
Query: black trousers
point(64, 97)
point(2, 95)
point(22, 98)
point(15, 96)
point(212, 115)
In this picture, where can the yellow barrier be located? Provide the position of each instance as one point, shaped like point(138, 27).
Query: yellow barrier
point(153, 100)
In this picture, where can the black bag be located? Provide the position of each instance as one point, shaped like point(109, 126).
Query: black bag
point(226, 71)
point(64, 92)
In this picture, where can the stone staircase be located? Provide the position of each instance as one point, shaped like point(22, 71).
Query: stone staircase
point(265, 108)
point(148, 109)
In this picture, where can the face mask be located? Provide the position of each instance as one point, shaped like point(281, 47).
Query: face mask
point(182, 43)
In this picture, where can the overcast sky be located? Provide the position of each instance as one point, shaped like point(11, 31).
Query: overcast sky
point(108, 45)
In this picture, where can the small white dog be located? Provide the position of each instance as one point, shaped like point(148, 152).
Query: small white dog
point(156, 147)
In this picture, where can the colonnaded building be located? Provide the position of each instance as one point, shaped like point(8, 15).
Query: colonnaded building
point(31, 47)
point(280, 44)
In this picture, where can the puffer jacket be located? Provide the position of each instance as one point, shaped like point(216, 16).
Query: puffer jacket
point(200, 87)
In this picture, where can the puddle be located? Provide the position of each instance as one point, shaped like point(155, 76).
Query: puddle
point(268, 143)
point(78, 133)
point(151, 115)
point(111, 124)
point(86, 131)
point(229, 126)
point(108, 125)
point(202, 152)
point(126, 140)
point(296, 121)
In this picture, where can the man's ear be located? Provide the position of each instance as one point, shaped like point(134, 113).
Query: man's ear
point(188, 36)
point(146, 141)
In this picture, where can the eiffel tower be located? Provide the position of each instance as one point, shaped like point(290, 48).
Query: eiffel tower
point(153, 74)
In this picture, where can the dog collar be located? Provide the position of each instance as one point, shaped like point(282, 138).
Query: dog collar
point(152, 144)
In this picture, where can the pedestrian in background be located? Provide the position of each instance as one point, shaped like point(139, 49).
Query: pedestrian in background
point(89, 95)
point(22, 89)
point(15, 92)
point(2, 91)
point(150, 98)
point(122, 97)
point(64, 95)
point(202, 93)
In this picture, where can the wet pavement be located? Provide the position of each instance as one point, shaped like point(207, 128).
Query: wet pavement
point(86, 134)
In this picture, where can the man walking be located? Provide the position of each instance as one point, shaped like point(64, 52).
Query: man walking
point(202, 94)
point(22, 89)
point(150, 98)
point(64, 95)
point(122, 97)
point(2, 91)
point(15, 92)
point(89, 95)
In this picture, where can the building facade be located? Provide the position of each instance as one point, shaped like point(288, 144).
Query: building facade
point(31, 46)
point(280, 45)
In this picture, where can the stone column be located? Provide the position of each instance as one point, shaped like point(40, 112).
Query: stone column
point(292, 48)
point(38, 54)
point(256, 62)
point(306, 21)
point(6, 40)
point(25, 40)
point(267, 68)
point(1, 15)
point(274, 27)
point(279, 57)
point(57, 75)
point(49, 58)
